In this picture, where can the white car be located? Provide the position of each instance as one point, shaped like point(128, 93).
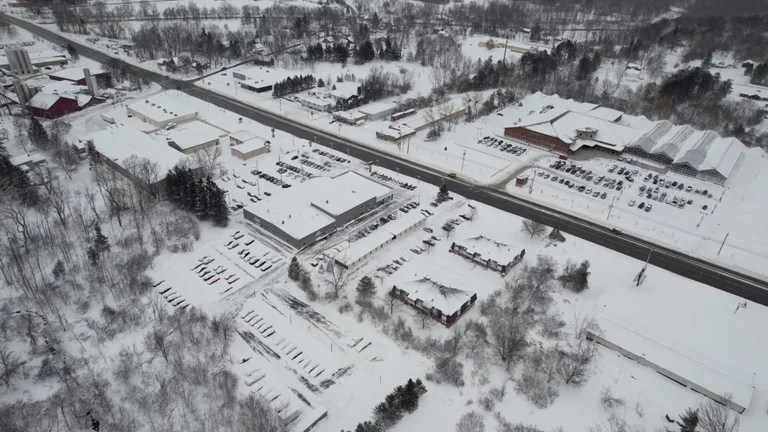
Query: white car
point(632, 203)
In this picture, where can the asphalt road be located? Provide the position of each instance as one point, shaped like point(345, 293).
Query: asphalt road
point(723, 278)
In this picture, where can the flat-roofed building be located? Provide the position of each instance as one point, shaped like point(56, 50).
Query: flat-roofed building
point(250, 148)
point(308, 211)
point(193, 136)
point(161, 110)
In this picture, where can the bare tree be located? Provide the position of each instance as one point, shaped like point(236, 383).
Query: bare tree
point(717, 417)
point(509, 333)
point(255, 415)
point(157, 340)
point(337, 277)
point(579, 351)
point(614, 423)
point(57, 197)
point(10, 365)
point(112, 188)
point(471, 422)
point(209, 161)
point(533, 228)
point(16, 213)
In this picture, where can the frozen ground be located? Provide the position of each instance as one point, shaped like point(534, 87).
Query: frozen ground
point(346, 366)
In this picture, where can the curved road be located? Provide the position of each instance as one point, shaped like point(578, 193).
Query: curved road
point(694, 268)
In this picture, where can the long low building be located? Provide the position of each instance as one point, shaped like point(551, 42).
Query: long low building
point(364, 248)
point(488, 253)
point(193, 137)
point(309, 211)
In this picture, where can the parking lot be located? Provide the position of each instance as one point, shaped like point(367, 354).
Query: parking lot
point(503, 145)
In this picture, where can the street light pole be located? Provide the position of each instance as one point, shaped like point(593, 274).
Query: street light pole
point(463, 156)
point(610, 208)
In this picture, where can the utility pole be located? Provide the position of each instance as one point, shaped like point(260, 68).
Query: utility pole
point(722, 244)
point(463, 157)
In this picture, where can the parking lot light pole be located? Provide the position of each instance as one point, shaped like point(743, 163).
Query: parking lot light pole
point(610, 208)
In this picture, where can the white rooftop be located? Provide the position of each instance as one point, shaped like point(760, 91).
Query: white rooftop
point(119, 143)
point(353, 116)
point(339, 194)
point(192, 134)
point(27, 158)
point(377, 108)
point(383, 234)
point(315, 100)
point(695, 332)
point(162, 107)
point(487, 248)
point(446, 299)
point(242, 135)
point(73, 74)
point(250, 145)
point(311, 206)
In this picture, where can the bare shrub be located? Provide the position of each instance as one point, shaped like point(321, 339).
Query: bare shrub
point(610, 401)
point(471, 422)
point(715, 417)
point(447, 370)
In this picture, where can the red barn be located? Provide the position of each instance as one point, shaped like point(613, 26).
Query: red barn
point(50, 106)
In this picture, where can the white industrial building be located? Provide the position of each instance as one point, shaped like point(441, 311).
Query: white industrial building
point(193, 136)
point(309, 211)
point(161, 110)
point(124, 149)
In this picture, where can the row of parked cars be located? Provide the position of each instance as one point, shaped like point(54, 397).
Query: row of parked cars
point(292, 171)
point(571, 185)
point(270, 178)
point(502, 145)
point(389, 179)
point(330, 156)
point(312, 164)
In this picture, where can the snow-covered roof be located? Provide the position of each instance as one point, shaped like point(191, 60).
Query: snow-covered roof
point(377, 108)
point(312, 206)
point(432, 294)
point(192, 134)
point(242, 135)
point(606, 113)
point(28, 158)
point(681, 364)
point(250, 145)
point(344, 90)
point(43, 100)
point(314, 100)
point(346, 191)
point(383, 234)
point(119, 143)
point(63, 87)
point(352, 116)
point(490, 249)
point(72, 74)
point(162, 107)
point(701, 150)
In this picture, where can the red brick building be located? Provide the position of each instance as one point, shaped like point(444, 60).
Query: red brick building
point(538, 139)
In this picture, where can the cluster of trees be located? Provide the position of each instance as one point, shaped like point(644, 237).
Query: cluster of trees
point(366, 51)
point(402, 400)
point(293, 84)
point(203, 197)
point(336, 52)
point(694, 84)
point(183, 38)
point(380, 84)
point(759, 74)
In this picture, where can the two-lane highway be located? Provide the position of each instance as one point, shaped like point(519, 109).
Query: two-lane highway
point(724, 278)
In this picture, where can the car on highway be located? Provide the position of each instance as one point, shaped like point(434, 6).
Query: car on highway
point(452, 175)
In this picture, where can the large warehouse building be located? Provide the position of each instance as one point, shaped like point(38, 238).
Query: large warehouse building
point(125, 149)
point(161, 110)
point(566, 126)
point(333, 202)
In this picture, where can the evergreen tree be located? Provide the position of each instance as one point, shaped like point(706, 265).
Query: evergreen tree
point(749, 68)
point(73, 52)
point(584, 69)
point(366, 289)
point(689, 421)
point(294, 269)
point(100, 241)
point(597, 60)
point(218, 210)
point(37, 134)
point(707, 62)
point(365, 52)
point(58, 270)
point(320, 83)
point(535, 34)
point(581, 278)
point(442, 195)
point(760, 74)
